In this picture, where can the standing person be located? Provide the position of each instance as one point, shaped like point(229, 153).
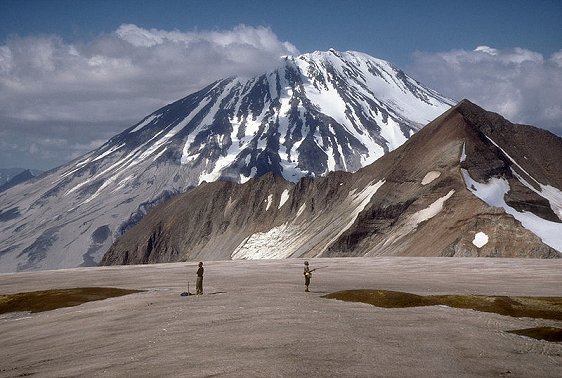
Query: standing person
point(307, 275)
point(199, 285)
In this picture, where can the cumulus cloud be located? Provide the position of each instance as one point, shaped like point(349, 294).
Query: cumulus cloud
point(117, 78)
point(520, 84)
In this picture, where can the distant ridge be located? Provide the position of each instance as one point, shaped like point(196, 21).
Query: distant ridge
point(23, 176)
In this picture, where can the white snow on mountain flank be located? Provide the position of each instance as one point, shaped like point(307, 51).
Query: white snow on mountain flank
point(145, 122)
point(372, 75)
point(360, 200)
point(550, 193)
point(430, 176)
point(265, 245)
point(357, 200)
point(269, 201)
point(463, 153)
point(493, 192)
point(413, 221)
point(480, 239)
point(343, 86)
point(284, 198)
point(283, 241)
point(429, 212)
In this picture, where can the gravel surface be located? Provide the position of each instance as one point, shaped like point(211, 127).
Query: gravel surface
point(256, 320)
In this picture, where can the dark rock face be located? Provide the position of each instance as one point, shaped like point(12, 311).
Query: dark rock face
point(523, 199)
point(9, 214)
point(37, 250)
point(370, 222)
point(426, 198)
point(23, 176)
point(507, 239)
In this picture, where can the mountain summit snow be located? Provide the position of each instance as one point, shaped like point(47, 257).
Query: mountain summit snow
point(315, 113)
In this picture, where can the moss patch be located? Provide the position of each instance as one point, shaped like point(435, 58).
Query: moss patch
point(541, 333)
point(38, 301)
point(532, 307)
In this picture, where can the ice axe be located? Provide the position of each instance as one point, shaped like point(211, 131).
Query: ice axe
point(321, 267)
point(186, 293)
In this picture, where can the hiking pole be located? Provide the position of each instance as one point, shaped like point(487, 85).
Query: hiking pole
point(322, 267)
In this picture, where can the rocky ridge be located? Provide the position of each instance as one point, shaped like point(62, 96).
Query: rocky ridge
point(470, 183)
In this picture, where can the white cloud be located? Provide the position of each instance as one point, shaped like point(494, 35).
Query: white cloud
point(120, 77)
point(518, 83)
point(46, 78)
point(557, 58)
point(487, 49)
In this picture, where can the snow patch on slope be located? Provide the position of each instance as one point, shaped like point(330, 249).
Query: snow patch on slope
point(145, 122)
point(284, 198)
point(493, 192)
point(265, 245)
point(109, 151)
point(269, 201)
point(413, 221)
point(430, 176)
point(359, 200)
point(429, 212)
point(463, 153)
point(550, 193)
point(480, 239)
point(282, 241)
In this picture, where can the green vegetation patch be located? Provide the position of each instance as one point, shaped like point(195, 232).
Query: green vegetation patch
point(531, 307)
point(46, 300)
point(552, 334)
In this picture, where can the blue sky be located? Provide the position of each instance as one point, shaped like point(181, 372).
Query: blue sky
point(391, 30)
point(74, 73)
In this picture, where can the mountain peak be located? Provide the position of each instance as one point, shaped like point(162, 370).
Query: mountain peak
point(478, 115)
point(450, 190)
point(314, 114)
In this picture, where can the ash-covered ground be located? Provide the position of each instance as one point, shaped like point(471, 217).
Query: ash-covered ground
point(256, 320)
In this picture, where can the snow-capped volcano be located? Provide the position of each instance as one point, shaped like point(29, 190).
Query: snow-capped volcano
point(314, 114)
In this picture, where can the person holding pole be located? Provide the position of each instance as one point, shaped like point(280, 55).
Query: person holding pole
point(307, 275)
point(199, 285)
